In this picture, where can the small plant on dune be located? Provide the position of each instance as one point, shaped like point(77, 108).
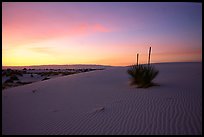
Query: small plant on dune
point(46, 78)
point(9, 81)
point(14, 77)
point(142, 75)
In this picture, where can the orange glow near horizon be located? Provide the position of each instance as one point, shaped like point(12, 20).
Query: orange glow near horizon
point(71, 33)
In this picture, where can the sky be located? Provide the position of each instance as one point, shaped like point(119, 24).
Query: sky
point(40, 33)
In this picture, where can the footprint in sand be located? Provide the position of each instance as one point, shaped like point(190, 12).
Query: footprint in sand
point(98, 109)
point(55, 110)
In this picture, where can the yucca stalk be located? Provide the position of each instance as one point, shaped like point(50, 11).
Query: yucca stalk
point(149, 56)
point(137, 58)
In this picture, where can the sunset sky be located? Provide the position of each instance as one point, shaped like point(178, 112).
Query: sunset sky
point(100, 33)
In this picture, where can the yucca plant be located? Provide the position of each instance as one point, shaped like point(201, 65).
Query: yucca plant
point(142, 75)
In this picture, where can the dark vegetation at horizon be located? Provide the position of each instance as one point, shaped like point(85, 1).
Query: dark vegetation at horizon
point(14, 75)
point(57, 66)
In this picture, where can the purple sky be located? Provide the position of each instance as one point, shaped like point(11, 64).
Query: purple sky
point(100, 33)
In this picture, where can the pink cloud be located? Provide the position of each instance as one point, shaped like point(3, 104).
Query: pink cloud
point(34, 32)
point(85, 28)
point(22, 23)
point(100, 28)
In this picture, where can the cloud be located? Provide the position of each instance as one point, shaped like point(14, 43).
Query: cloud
point(88, 29)
point(41, 49)
point(24, 34)
point(29, 23)
point(100, 28)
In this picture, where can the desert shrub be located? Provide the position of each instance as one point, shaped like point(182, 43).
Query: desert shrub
point(23, 83)
point(142, 75)
point(50, 73)
point(9, 81)
point(7, 72)
point(67, 73)
point(16, 72)
point(3, 86)
point(14, 77)
point(10, 72)
point(45, 79)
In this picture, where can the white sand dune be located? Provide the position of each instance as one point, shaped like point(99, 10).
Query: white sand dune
point(103, 102)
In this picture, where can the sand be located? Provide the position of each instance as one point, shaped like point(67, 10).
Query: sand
point(103, 103)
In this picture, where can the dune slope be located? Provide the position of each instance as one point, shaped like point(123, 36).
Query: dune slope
point(103, 102)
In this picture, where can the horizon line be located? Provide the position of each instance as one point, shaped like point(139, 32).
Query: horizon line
point(104, 64)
